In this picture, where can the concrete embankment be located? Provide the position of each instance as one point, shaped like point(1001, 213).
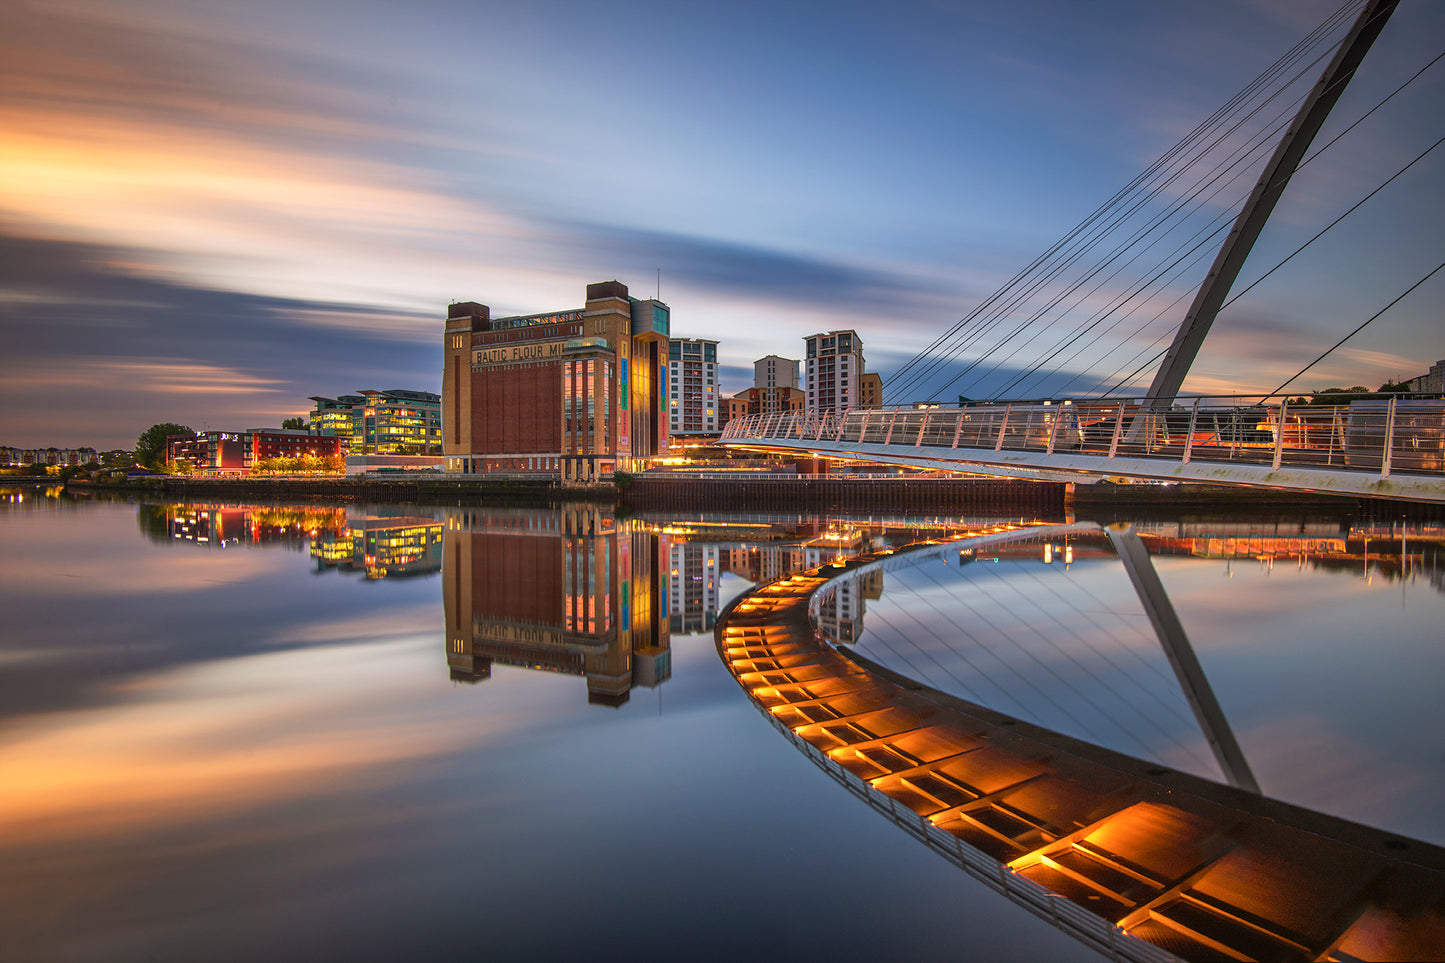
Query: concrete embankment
point(905, 493)
point(411, 489)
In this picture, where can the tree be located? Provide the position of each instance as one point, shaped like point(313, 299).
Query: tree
point(150, 447)
point(296, 424)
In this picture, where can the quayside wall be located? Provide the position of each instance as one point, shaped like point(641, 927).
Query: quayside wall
point(831, 493)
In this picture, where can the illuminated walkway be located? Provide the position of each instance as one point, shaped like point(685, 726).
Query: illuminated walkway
point(1379, 449)
point(1137, 861)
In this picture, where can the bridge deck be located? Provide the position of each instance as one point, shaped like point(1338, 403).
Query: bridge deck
point(1393, 449)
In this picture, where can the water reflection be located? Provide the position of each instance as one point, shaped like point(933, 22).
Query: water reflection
point(1189, 866)
point(208, 754)
point(570, 590)
point(1322, 641)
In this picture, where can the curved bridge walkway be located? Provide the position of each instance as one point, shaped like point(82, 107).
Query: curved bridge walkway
point(1137, 861)
point(1386, 449)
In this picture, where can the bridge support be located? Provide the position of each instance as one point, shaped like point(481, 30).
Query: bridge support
point(1257, 208)
point(1181, 655)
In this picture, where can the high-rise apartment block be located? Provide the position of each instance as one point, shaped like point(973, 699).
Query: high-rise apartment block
point(775, 372)
point(832, 367)
point(577, 393)
point(775, 386)
point(693, 398)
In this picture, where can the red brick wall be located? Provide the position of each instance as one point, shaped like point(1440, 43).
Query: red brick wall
point(517, 410)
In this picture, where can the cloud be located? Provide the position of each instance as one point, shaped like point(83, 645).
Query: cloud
point(96, 353)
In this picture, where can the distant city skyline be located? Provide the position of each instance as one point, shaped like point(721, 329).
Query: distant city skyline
point(210, 212)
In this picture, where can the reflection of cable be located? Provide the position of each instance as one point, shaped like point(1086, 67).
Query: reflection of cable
point(1167, 734)
point(982, 674)
point(998, 631)
point(871, 633)
point(1118, 697)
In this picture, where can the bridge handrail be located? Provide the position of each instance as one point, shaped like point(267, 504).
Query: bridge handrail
point(1401, 433)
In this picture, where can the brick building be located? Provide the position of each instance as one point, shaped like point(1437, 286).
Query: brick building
point(235, 452)
point(576, 394)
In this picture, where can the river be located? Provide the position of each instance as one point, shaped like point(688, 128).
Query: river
point(235, 732)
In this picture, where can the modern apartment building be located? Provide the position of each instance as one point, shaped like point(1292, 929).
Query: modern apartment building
point(47, 456)
point(832, 369)
point(577, 393)
point(775, 372)
point(693, 398)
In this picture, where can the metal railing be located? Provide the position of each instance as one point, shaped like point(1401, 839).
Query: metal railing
point(1404, 435)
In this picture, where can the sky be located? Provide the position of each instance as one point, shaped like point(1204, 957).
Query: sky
point(210, 211)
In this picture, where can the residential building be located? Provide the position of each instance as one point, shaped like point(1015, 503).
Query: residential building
point(48, 456)
point(236, 452)
point(734, 407)
point(870, 390)
point(693, 587)
point(576, 394)
point(692, 388)
point(832, 369)
point(767, 400)
point(775, 372)
point(1432, 381)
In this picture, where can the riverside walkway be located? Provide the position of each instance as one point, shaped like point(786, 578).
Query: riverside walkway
point(1135, 860)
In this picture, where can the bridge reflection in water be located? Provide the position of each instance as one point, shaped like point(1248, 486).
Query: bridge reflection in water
point(1136, 860)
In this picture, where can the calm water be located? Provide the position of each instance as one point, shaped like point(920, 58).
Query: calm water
point(346, 733)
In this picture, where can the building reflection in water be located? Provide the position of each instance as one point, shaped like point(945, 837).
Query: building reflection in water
point(381, 546)
point(571, 590)
point(226, 525)
point(376, 545)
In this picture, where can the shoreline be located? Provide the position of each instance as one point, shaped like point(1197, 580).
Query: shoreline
point(827, 493)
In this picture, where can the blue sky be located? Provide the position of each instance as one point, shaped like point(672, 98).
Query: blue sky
point(210, 211)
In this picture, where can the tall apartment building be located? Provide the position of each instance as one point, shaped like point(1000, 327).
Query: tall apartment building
point(775, 386)
point(577, 393)
point(832, 367)
point(693, 398)
point(775, 372)
point(692, 587)
point(1432, 380)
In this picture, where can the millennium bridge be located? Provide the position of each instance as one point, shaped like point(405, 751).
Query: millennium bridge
point(1390, 449)
point(1085, 311)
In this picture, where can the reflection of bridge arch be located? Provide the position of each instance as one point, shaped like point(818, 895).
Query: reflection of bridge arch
point(1133, 859)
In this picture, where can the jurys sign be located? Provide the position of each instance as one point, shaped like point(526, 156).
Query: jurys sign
point(517, 353)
